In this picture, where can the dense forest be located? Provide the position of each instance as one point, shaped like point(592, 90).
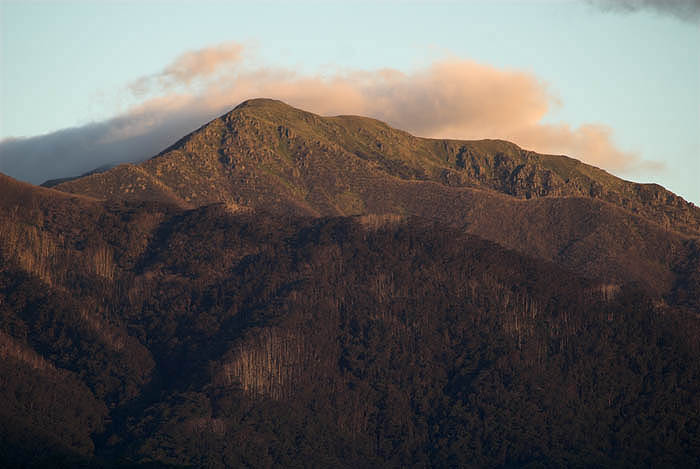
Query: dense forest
point(204, 338)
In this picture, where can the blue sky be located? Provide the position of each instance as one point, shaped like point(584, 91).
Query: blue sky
point(635, 74)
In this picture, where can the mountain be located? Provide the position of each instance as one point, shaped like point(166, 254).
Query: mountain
point(266, 155)
point(279, 288)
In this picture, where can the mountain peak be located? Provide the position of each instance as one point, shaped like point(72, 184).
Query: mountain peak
point(263, 103)
point(266, 108)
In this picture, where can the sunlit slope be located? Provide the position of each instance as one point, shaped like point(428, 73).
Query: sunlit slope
point(266, 154)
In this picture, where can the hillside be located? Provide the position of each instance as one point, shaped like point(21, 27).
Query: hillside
point(141, 333)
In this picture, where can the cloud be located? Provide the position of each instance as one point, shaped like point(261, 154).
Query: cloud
point(458, 99)
point(685, 10)
point(192, 65)
point(592, 143)
point(74, 151)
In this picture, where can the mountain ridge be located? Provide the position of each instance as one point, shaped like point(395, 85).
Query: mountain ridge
point(266, 155)
point(263, 143)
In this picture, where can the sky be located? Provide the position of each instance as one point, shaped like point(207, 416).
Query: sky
point(615, 84)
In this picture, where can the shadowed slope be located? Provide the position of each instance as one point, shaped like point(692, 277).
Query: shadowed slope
point(142, 332)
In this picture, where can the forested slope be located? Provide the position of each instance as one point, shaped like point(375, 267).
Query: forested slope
point(142, 332)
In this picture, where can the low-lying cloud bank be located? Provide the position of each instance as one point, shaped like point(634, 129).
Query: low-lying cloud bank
point(457, 99)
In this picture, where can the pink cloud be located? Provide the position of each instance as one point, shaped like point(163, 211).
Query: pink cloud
point(192, 65)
